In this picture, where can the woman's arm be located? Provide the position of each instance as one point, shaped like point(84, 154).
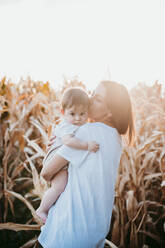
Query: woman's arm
point(53, 166)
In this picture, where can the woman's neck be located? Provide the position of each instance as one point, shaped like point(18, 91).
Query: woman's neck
point(107, 122)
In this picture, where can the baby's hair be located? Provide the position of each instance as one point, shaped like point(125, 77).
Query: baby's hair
point(74, 97)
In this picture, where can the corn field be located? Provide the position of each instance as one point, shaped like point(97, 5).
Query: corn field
point(27, 111)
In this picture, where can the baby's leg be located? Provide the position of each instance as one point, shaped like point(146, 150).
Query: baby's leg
point(58, 185)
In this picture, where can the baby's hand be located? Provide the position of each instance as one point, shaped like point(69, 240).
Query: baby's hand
point(50, 142)
point(93, 146)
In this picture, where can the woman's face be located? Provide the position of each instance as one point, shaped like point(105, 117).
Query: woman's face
point(98, 109)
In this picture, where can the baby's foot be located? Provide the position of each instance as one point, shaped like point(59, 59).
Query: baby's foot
point(42, 215)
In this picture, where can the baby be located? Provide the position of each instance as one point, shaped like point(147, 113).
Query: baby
point(74, 110)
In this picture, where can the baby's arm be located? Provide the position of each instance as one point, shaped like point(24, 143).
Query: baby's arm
point(71, 141)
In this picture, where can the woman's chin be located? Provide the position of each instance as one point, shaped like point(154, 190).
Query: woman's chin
point(91, 116)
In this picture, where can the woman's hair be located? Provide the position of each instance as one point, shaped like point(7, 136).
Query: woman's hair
point(119, 103)
point(74, 97)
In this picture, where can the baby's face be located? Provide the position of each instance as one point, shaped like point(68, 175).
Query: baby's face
point(76, 115)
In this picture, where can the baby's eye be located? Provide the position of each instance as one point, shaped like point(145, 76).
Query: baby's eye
point(72, 114)
point(82, 114)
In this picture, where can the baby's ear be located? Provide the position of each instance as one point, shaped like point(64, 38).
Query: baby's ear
point(62, 111)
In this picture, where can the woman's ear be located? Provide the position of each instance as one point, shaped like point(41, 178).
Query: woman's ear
point(109, 116)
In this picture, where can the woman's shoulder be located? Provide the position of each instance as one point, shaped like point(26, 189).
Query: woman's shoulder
point(99, 125)
point(96, 130)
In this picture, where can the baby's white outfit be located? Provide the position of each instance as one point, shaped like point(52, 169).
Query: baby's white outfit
point(62, 129)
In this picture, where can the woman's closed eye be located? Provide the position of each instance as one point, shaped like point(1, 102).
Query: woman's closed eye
point(97, 98)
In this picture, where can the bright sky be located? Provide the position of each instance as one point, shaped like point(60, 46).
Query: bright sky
point(94, 39)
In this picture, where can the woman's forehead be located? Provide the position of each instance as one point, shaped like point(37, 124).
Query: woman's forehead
point(99, 91)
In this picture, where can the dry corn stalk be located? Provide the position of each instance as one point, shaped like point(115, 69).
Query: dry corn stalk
point(27, 112)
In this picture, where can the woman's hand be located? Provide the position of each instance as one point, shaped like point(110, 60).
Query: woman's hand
point(50, 142)
point(93, 146)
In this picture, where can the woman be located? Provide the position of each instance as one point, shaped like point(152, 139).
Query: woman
point(81, 216)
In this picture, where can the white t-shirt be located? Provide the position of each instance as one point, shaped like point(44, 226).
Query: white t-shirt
point(81, 216)
point(62, 129)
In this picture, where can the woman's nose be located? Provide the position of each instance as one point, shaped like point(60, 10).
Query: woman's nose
point(91, 99)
